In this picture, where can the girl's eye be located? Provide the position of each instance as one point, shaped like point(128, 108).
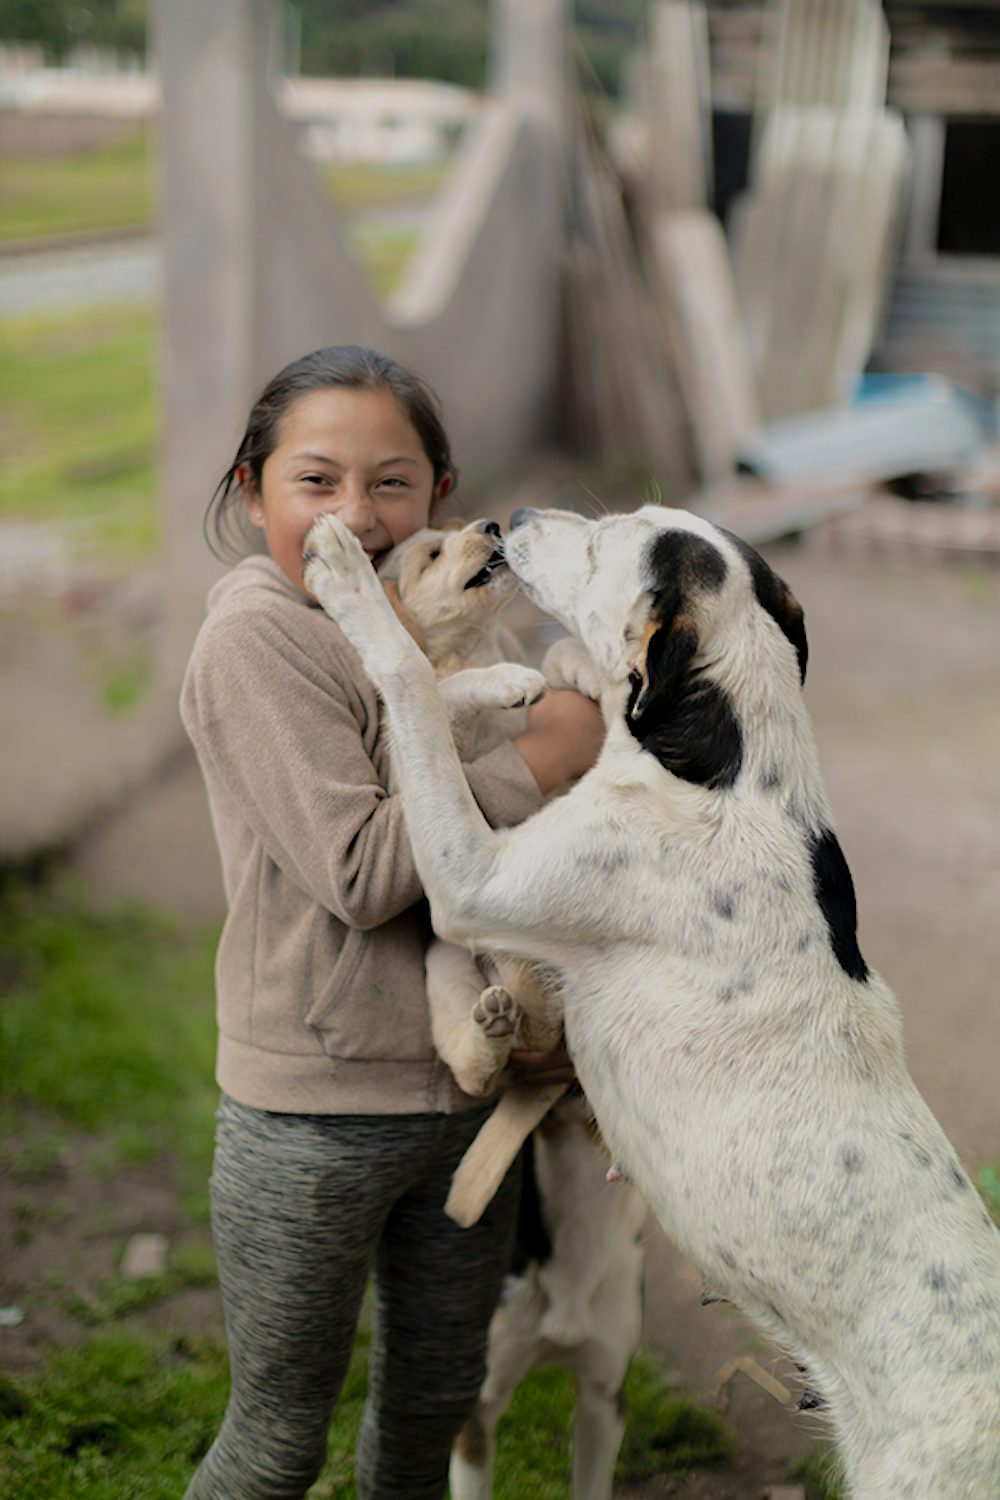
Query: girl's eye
point(315, 479)
point(392, 480)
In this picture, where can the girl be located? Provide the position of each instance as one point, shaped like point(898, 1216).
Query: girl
point(338, 1129)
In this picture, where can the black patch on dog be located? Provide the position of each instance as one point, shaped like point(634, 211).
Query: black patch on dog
point(678, 714)
point(471, 1441)
point(531, 1239)
point(774, 596)
point(936, 1277)
point(724, 903)
point(834, 890)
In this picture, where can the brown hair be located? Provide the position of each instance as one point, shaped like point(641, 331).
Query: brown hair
point(349, 367)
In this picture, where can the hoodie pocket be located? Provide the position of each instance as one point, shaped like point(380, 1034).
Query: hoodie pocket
point(330, 1012)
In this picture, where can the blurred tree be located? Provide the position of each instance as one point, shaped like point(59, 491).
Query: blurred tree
point(444, 39)
point(60, 25)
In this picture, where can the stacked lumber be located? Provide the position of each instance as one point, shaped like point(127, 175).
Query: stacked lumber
point(669, 103)
point(813, 240)
point(813, 244)
point(703, 333)
point(622, 400)
point(832, 52)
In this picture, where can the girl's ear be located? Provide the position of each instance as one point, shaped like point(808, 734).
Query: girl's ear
point(251, 494)
point(444, 487)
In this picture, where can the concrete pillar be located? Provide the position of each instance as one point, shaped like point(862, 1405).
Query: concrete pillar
point(255, 270)
point(529, 59)
point(206, 59)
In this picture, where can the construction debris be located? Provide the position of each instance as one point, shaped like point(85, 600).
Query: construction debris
point(744, 1365)
point(145, 1255)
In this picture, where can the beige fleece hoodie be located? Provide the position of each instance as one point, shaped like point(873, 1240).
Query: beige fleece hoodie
point(319, 973)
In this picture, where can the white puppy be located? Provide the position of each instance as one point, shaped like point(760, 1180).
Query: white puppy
point(744, 1062)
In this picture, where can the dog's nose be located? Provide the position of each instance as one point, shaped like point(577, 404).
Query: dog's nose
point(489, 528)
point(522, 514)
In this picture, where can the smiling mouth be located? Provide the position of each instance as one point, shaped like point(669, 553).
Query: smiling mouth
point(494, 564)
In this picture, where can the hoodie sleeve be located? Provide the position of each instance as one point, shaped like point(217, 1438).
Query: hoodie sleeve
point(282, 740)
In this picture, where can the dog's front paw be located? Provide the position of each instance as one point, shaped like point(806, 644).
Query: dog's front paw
point(568, 664)
point(336, 569)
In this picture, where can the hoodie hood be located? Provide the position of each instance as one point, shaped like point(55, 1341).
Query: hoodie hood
point(256, 572)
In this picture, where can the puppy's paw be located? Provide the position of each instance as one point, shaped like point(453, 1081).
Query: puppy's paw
point(485, 1049)
point(496, 1012)
point(568, 664)
point(514, 686)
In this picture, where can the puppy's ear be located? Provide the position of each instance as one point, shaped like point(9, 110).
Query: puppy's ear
point(774, 596)
point(403, 615)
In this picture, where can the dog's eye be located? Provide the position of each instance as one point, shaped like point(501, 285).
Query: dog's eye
point(432, 555)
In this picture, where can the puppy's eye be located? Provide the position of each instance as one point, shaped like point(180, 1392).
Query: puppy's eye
point(432, 555)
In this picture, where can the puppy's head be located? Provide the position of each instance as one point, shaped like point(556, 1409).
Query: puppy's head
point(691, 621)
point(444, 579)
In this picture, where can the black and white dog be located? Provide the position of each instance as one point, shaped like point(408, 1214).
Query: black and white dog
point(744, 1062)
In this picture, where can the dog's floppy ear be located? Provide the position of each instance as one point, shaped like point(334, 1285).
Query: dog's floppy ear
point(403, 615)
point(665, 653)
point(675, 710)
point(774, 596)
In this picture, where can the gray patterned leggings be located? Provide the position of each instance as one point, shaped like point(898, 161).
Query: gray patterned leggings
point(303, 1207)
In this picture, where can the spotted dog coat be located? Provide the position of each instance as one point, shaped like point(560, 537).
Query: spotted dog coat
point(744, 1062)
point(574, 1295)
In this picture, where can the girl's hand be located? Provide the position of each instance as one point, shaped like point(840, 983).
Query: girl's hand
point(563, 739)
point(543, 1067)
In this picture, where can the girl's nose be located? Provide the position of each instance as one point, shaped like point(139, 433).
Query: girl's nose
point(353, 505)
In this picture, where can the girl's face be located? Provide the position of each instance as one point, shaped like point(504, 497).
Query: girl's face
point(352, 453)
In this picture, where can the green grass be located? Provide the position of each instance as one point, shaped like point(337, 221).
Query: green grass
point(78, 427)
point(104, 189)
point(107, 1034)
point(987, 1180)
point(360, 185)
point(124, 1414)
point(817, 1473)
point(108, 1026)
point(111, 188)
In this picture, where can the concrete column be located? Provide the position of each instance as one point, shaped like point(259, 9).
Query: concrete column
point(529, 61)
point(255, 271)
point(206, 55)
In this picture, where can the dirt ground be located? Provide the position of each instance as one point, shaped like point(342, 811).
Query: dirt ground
point(904, 689)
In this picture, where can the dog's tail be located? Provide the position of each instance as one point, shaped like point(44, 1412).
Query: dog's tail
point(485, 1164)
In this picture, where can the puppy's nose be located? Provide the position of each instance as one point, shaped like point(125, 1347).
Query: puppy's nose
point(489, 528)
point(522, 514)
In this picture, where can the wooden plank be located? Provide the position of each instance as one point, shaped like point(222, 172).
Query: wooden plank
point(689, 266)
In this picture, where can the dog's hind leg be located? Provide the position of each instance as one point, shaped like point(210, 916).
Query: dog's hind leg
point(512, 1353)
point(472, 1028)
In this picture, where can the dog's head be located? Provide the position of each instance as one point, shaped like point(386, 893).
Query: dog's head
point(442, 581)
point(689, 620)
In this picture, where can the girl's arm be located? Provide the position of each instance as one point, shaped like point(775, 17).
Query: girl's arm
point(284, 737)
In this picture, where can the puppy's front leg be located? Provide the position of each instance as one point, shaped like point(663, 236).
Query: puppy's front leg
point(455, 849)
point(467, 693)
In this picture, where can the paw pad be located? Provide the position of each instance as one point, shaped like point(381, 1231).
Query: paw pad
point(495, 1011)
